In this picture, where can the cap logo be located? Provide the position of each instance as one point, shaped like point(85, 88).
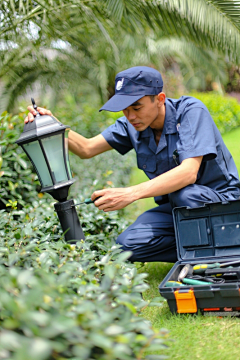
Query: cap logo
point(119, 84)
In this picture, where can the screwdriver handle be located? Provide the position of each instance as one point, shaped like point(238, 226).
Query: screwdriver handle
point(201, 268)
point(195, 282)
point(173, 284)
point(88, 201)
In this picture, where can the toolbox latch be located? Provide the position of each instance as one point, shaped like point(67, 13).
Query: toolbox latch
point(186, 301)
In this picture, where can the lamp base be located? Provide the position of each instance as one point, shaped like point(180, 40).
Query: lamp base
point(69, 220)
point(59, 191)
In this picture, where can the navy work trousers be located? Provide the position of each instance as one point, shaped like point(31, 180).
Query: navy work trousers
point(151, 237)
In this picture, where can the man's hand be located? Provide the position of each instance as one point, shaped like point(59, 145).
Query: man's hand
point(33, 112)
point(113, 199)
point(173, 180)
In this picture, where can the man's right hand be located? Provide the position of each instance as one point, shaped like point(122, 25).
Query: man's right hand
point(33, 112)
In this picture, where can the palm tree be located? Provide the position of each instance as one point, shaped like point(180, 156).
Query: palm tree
point(93, 40)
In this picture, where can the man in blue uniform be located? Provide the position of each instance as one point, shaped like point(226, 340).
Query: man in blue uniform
point(178, 147)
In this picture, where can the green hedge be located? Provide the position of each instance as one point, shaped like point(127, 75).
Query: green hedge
point(225, 110)
point(18, 181)
point(61, 301)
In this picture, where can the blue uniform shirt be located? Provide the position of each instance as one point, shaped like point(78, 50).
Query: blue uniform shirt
point(188, 131)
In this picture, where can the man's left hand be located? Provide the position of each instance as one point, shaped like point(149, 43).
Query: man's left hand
point(113, 199)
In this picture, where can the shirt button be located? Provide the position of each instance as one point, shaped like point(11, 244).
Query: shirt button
point(144, 166)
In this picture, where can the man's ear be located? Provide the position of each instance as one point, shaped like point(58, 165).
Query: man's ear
point(161, 98)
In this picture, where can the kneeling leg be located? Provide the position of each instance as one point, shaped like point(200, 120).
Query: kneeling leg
point(151, 237)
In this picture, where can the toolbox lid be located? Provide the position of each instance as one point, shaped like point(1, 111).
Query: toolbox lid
point(207, 232)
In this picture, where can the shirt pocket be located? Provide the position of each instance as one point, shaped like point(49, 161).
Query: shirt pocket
point(148, 164)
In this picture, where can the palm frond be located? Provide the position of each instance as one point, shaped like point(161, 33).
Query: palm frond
point(105, 36)
point(190, 58)
point(216, 23)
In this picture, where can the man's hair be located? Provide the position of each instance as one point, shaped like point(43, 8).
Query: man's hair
point(152, 97)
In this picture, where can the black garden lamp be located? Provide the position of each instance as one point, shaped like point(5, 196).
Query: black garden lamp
point(45, 142)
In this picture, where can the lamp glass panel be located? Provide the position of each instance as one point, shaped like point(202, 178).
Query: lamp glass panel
point(53, 146)
point(67, 155)
point(34, 152)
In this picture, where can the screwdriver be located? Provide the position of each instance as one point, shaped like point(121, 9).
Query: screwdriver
point(201, 268)
point(87, 201)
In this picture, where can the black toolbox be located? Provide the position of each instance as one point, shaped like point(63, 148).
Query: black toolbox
point(205, 235)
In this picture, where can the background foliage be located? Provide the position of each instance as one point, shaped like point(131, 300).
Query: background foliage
point(17, 181)
point(224, 110)
point(89, 42)
point(61, 301)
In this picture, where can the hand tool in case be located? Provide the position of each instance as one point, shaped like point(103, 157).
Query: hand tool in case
point(208, 239)
point(201, 268)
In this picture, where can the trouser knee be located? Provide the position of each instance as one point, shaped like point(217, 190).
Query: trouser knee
point(193, 196)
point(180, 197)
point(121, 240)
point(162, 249)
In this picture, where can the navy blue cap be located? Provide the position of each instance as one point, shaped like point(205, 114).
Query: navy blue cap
point(131, 85)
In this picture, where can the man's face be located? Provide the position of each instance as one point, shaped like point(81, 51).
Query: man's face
point(145, 112)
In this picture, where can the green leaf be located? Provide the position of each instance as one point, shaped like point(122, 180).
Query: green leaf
point(39, 349)
point(104, 259)
point(110, 271)
point(12, 259)
point(106, 283)
point(24, 277)
point(41, 319)
point(157, 301)
point(101, 341)
point(123, 256)
point(10, 340)
point(130, 307)
point(22, 163)
point(113, 330)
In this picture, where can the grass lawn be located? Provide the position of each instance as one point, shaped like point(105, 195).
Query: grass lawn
point(190, 337)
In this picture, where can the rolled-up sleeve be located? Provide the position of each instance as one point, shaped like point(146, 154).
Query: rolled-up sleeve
point(117, 136)
point(196, 135)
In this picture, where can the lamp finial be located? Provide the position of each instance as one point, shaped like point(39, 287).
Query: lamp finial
point(35, 106)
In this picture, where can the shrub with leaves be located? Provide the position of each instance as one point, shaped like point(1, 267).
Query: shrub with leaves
point(83, 115)
point(61, 301)
point(225, 110)
point(18, 182)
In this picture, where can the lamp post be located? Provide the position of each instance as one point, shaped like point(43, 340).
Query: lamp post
point(45, 142)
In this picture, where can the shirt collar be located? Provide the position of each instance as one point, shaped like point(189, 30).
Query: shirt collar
point(170, 126)
point(170, 117)
point(145, 133)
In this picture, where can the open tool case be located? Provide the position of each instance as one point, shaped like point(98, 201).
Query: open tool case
point(204, 235)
